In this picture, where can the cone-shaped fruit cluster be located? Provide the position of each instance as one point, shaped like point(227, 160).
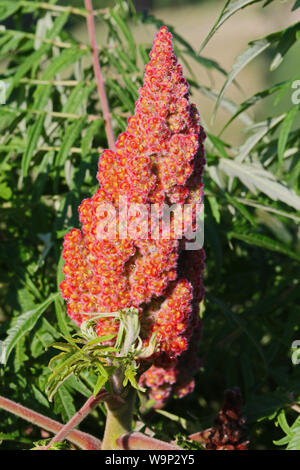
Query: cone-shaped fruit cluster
point(158, 162)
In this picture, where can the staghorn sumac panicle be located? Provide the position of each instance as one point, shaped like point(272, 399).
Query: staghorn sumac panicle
point(158, 161)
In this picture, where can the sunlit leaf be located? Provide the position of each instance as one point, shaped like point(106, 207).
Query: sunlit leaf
point(22, 326)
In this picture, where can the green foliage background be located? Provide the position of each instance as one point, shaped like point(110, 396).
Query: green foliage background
point(51, 133)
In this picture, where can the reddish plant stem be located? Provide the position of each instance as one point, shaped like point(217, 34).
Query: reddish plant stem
point(86, 409)
point(98, 75)
point(81, 439)
point(138, 441)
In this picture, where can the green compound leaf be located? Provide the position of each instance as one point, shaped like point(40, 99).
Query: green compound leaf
point(36, 56)
point(256, 178)
point(92, 353)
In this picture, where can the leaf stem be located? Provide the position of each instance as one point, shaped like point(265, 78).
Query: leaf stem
point(86, 409)
point(57, 43)
point(81, 439)
point(46, 148)
point(138, 441)
point(58, 8)
point(90, 117)
point(71, 83)
point(98, 75)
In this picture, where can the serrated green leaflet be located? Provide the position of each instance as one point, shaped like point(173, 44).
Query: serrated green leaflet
point(34, 134)
point(284, 133)
point(257, 178)
point(255, 49)
point(91, 131)
point(8, 8)
point(264, 242)
point(22, 326)
point(229, 9)
point(71, 134)
point(126, 32)
point(290, 36)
